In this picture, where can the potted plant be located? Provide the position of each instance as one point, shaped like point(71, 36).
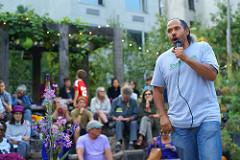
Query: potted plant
point(54, 139)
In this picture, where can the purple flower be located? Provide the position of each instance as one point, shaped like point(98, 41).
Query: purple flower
point(67, 138)
point(60, 117)
point(63, 121)
point(55, 85)
point(55, 131)
point(69, 144)
point(58, 122)
point(74, 128)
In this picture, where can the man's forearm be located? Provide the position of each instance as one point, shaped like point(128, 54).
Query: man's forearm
point(205, 70)
point(131, 118)
point(5, 105)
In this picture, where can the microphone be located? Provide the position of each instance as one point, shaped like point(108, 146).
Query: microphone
point(178, 43)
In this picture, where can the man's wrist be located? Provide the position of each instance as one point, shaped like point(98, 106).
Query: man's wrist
point(163, 115)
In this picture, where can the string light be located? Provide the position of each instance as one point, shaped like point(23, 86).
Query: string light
point(122, 40)
point(130, 44)
point(69, 35)
point(26, 18)
point(4, 23)
point(230, 65)
point(80, 33)
point(107, 25)
point(99, 27)
point(157, 53)
point(147, 50)
point(48, 32)
point(90, 33)
point(139, 48)
point(58, 34)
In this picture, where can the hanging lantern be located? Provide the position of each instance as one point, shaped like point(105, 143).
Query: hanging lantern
point(26, 43)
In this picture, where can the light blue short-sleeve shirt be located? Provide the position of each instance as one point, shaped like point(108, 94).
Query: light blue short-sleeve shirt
point(198, 91)
point(93, 150)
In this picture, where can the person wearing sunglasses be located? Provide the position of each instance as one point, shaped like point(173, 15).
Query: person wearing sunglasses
point(149, 119)
point(164, 142)
point(100, 106)
point(18, 131)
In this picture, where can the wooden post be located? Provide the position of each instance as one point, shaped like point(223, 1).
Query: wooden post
point(63, 53)
point(4, 57)
point(85, 67)
point(36, 76)
point(117, 54)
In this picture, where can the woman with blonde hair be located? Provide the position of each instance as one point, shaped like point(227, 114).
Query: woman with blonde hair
point(100, 105)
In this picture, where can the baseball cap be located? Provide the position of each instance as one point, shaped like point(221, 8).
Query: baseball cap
point(93, 124)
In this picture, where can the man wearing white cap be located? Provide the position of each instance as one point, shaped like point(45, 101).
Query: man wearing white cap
point(94, 145)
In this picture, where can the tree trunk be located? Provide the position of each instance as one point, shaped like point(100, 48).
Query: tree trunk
point(36, 76)
point(4, 57)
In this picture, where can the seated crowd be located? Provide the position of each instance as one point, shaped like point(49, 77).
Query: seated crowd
point(119, 108)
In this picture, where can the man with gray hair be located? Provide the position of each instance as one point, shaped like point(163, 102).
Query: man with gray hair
point(125, 112)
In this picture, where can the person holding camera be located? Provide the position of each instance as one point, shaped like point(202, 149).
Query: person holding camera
point(60, 110)
point(45, 79)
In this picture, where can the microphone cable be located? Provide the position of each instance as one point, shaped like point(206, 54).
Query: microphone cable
point(179, 64)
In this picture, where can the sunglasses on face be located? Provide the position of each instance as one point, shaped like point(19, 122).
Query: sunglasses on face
point(18, 113)
point(165, 132)
point(148, 94)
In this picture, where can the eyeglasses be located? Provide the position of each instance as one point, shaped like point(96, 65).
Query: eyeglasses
point(17, 113)
point(165, 132)
point(148, 94)
point(101, 91)
point(1, 130)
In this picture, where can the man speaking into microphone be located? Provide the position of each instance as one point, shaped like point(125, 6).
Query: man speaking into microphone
point(187, 71)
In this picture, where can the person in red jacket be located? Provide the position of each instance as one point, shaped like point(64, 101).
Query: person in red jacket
point(80, 87)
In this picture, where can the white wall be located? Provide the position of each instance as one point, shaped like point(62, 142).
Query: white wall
point(74, 9)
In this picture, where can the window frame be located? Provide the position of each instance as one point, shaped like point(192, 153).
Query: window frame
point(99, 2)
point(142, 5)
point(161, 7)
point(191, 5)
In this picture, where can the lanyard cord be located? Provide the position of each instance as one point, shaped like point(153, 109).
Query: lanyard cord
point(180, 94)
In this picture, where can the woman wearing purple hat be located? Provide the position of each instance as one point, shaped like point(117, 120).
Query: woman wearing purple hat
point(18, 131)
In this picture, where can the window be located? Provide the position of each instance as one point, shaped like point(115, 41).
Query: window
point(161, 5)
point(136, 5)
point(137, 36)
point(191, 4)
point(97, 2)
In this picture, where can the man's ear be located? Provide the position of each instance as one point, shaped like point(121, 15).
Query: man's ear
point(187, 31)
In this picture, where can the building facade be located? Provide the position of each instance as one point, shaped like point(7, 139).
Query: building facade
point(137, 16)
